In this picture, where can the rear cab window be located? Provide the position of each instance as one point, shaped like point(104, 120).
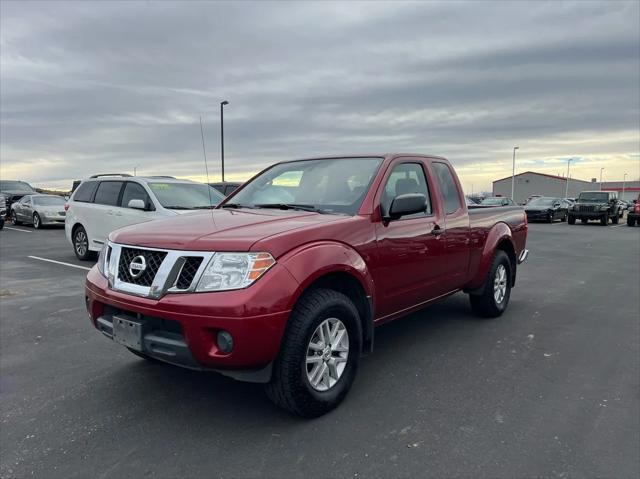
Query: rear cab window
point(448, 187)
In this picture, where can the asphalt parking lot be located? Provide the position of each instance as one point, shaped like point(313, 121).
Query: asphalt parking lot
point(551, 389)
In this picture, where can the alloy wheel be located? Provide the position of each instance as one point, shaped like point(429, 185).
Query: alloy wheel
point(82, 245)
point(327, 354)
point(500, 284)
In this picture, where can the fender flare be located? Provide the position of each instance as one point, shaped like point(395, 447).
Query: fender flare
point(498, 233)
point(308, 263)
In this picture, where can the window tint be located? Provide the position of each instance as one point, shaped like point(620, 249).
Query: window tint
point(134, 191)
point(85, 191)
point(448, 187)
point(405, 178)
point(108, 192)
point(26, 200)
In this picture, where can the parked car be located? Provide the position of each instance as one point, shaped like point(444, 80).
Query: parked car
point(596, 205)
point(547, 209)
point(284, 282)
point(497, 201)
point(532, 197)
point(39, 210)
point(226, 187)
point(633, 216)
point(13, 190)
point(3, 210)
point(104, 203)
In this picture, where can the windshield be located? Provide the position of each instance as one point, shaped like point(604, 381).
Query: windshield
point(595, 197)
point(185, 196)
point(15, 186)
point(492, 201)
point(48, 200)
point(335, 185)
point(542, 202)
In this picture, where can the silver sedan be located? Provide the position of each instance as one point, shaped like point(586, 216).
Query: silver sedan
point(39, 210)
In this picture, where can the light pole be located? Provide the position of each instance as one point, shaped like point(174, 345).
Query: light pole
point(135, 169)
point(222, 104)
point(601, 170)
point(624, 180)
point(566, 190)
point(513, 172)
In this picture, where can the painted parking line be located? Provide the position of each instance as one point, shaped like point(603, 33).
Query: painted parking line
point(17, 229)
point(59, 262)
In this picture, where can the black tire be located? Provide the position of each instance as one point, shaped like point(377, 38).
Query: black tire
point(290, 387)
point(484, 304)
point(631, 221)
point(80, 237)
point(604, 220)
point(1, 223)
point(615, 219)
point(37, 222)
point(14, 219)
point(572, 220)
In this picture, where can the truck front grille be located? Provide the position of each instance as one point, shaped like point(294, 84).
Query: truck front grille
point(153, 260)
point(188, 272)
point(587, 208)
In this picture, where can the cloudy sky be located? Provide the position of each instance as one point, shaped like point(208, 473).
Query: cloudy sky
point(90, 87)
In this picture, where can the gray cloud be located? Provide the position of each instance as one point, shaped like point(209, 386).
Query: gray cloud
point(88, 87)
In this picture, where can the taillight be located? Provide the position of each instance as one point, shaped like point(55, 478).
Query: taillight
point(66, 206)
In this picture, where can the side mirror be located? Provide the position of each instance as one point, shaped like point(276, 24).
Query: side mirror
point(556, 204)
point(137, 205)
point(407, 204)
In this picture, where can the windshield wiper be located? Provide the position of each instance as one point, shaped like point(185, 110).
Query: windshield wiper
point(289, 206)
point(234, 205)
point(175, 207)
point(204, 207)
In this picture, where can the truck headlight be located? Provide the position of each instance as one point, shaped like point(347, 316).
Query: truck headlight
point(103, 259)
point(227, 271)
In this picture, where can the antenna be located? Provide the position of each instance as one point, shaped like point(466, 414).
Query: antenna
point(206, 168)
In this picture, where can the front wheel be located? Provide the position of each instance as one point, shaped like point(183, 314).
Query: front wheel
point(572, 220)
point(604, 221)
point(318, 356)
point(14, 219)
point(37, 223)
point(81, 244)
point(631, 221)
point(563, 218)
point(616, 219)
point(496, 291)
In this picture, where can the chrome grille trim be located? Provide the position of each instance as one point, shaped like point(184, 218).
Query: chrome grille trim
point(167, 276)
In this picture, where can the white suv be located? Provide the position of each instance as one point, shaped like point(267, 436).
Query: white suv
point(104, 203)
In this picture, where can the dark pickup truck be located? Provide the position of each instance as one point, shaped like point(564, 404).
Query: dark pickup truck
point(284, 282)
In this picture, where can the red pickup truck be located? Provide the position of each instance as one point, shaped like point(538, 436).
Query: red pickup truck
point(284, 282)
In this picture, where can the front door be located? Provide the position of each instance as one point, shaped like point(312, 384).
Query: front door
point(410, 250)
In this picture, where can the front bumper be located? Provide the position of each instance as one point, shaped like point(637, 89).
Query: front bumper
point(538, 215)
point(182, 329)
point(589, 215)
point(52, 220)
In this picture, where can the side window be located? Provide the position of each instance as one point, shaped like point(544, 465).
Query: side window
point(85, 191)
point(26, 200)
point(134, 191)
point(448, 187)
point(405, 178)
point(108, 193)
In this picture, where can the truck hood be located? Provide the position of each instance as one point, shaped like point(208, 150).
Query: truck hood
point(219, 229)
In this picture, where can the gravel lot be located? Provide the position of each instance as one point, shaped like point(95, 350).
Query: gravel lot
point(550, 389)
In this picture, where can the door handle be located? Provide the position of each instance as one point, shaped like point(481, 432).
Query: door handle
point(437, 231)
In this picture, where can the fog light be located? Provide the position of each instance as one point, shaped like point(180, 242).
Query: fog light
point(225, 341)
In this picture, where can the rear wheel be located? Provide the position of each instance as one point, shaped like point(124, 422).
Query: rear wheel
point(14, 219)
point(318, 356)
point(496, 291)
point(604, 221)
point(81, 244)
point(37, 223)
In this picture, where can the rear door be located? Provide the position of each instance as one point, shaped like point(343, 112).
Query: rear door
point(105, 204)
point(410, 250)
point(456, 224)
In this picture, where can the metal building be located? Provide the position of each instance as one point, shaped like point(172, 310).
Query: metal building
point(532, 183)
